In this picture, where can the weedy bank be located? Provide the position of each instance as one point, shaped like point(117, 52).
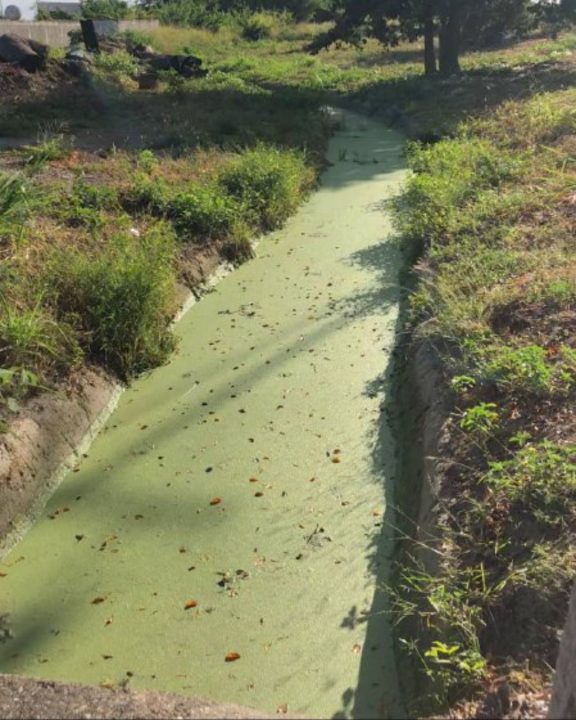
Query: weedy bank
point(490, 213)
point(99, 226)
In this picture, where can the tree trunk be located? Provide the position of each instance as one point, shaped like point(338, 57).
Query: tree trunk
point(450, 40)
point(429, 33)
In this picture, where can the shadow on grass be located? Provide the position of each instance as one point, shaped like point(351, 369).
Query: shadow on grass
point(228, 110)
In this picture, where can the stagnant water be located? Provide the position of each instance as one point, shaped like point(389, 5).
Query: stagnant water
point(250, 475)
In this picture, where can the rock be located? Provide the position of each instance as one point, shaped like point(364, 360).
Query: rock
point(185, 65)
point(17, 50)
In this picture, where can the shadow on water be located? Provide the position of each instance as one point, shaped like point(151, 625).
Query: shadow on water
point(378, 690)
point(375, 693)
point(43, 620)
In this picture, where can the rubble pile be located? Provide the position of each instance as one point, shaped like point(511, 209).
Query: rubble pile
point(20, 57)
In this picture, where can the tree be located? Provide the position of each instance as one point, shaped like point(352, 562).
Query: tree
point(113, 9)
point(392, 21)
point(555, 15)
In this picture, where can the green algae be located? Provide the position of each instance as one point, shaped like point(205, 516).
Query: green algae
point(272, 406)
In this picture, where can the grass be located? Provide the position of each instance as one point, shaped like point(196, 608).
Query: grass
point(489, 214)
point(101, 250)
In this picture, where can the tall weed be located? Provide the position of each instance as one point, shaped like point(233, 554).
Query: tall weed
point(119, 299)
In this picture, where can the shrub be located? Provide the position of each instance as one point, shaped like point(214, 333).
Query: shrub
point(203, 212)
point(256, 26)
point(114, 9)
point(146, 194)
point(120, 64)
point(99, 197)
point(191, 13)
point(119, 298)
point(268, 183)
point(448, 174)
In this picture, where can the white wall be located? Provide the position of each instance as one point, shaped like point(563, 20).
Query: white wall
point(26, 7)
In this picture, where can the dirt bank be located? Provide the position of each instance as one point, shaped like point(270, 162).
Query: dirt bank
point(22, 698)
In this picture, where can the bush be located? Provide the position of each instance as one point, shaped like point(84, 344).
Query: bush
point(203, 213)
point(195, 13)
point(448, 175)
point(99, 197)
point(114, 9)
point(268, 183)
point(256, 191)
point(146, 194)
point(256, 26)
point(119, 299)
point(119, 63)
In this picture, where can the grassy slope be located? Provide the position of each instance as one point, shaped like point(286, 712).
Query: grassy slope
point(490, 211)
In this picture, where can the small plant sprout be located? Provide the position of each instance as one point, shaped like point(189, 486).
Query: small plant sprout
point(482, 418)
point(462, 383)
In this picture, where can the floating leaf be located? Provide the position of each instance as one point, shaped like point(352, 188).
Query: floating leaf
point(282, 709)
point(258, 494)
point(215, 501)
point(190, 604)
point(98, 600)
point(253, 479)
point(232, 657)
point(356, 648)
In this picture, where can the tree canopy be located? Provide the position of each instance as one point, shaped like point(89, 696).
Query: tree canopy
point(475, 22)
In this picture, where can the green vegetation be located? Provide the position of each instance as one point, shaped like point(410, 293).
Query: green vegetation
point(488, 211)
point(93, 241)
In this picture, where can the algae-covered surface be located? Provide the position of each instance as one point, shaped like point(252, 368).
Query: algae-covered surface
point(235, 501)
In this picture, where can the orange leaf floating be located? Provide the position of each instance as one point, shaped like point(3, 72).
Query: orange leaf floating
point(232, 657)
point(190, 604)
point(336, 459)
point(215, 501)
